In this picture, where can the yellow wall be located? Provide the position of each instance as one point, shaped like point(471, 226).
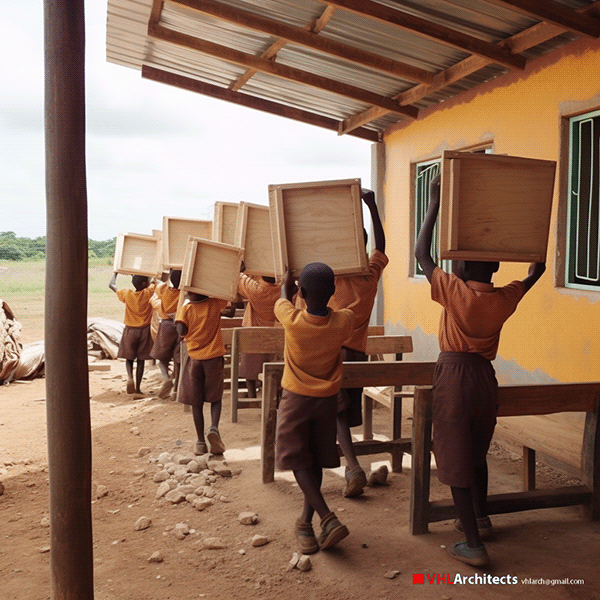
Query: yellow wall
point(555, 330)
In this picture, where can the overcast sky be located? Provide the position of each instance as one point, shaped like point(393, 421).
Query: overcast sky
point(152, 150)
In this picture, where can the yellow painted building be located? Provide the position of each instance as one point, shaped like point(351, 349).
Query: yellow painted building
point(555, 333)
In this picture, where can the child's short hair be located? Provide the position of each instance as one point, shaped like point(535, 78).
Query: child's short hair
point(175, 277)
point(140, 282)
point(318, 281)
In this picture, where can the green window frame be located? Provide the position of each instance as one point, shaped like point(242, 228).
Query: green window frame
point(425, 172)
point(583, 230)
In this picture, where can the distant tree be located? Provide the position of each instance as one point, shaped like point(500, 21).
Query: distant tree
point(10, 252)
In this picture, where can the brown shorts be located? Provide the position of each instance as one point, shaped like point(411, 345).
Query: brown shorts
point(252, 364)
point(201, 381)
point(351, 398)
point(166, 344)
point(306, 432)
point(136, 343)
point(465, 403)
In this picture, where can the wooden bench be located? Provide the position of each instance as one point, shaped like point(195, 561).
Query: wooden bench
point(267, 340)
point(513, 401)
point(355, 375)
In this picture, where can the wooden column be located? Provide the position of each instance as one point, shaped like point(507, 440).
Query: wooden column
point(378, 186)
point(67, 386)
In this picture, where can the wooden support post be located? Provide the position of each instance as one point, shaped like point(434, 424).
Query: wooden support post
point(235, 368)
point(396, 425)
point(590, 461)
point(271, 379)
point(367, 403)
point(67, 385)
point(421, 461)
point(528, 469)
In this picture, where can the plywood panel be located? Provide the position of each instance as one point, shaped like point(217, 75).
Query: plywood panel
point(137, 254)
point(495, 207)
point(318, 222)
point(253, 233)
point(176, 232)
point(211, 268)
point(224, 222)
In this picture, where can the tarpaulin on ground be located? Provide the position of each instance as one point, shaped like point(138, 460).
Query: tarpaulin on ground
point(10, 342)
point(104, 335)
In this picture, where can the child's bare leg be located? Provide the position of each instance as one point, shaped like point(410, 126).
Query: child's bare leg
point(139, 374)
point(176, 370)
point(167, 384)
point(198, 415)
point(309, 481)
point(163, 365)
point(356, 478)
point(130, 383)
point(463, 500)
point(215, 413)
point(251, 387)
point(479, 489)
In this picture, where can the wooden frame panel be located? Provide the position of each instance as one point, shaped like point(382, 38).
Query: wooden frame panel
point(176, 232)
point(211, 268)
point(225, 222)
point(137, 254)
point(253, 234)
point(495, 207)
point(318, 221)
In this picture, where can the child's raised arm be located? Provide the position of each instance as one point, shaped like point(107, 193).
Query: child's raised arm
point(536, 270)
point(289, 287)
point(368, 197)
point(113, 283)
point(423, 245)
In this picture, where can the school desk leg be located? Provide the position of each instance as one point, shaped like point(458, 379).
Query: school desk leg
point(269, 423)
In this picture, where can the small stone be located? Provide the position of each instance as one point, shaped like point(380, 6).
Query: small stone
point(184, 459)
point(101, 491)
point(1, 489)
point(180, 473)
point(219, 469)
point(193, 467)
point(197, 480)
point(160, 476)
point(175, 496)
point(211, 479)
point(304, 563)
point(183, 527)
point(143, 451)
point(248, 518)
point(164, 458)
point(209, 492)
point(224, 499)
point(45, 522)
point(293, 561)
point(156, 557)
point(142, 523)
point(45, 549)
point(202, 503)
point(214, 543)
point(139, 473)
point(444, 597)
point(170, 468)
point(241, 551)
point(163, 489)
point(179, 534)
point(259, 540)
point(135, 430)
point(391, 574)
point(191, 497)
point(186, 489)
point(173, 483)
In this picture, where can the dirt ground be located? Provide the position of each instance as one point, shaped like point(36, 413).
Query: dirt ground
point(377, 561)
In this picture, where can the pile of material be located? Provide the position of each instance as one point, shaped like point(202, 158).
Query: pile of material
point(10, 342)
point(104, 336)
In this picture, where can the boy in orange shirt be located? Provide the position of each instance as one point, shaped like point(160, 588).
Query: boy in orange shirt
point(136, 342)
point(166, 344)
point(464, 386)
point(199, 323)
point(306, 430)
point(357, 292)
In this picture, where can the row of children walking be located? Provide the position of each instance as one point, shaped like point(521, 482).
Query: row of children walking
point(326, 321)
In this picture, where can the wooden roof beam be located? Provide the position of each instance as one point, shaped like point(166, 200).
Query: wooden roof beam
point(537, 34)
point(555, 14)
point(274, 108)
point(316, 26)
point(302, 37)
point(160, 32)
point(433, 31)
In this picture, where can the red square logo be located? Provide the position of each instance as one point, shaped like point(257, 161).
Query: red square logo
point(418, 578)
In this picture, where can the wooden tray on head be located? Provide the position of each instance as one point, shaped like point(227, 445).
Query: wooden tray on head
point(318, 222)
point(176, 232)
point(137, 254)
point(253, 234)
point(495, 207)
point(224, 222)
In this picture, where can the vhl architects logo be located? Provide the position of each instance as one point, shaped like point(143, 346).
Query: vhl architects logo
point(433, 578)
point(458, 579)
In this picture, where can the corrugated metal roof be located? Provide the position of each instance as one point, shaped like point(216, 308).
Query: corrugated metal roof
point(129, 44)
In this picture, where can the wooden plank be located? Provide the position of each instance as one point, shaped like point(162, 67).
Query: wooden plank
point(528, 469)
point(388, 344)
point(231, 322)
point(379, 373)
point(271, 380)
point(263, 340)
point(224, 222)
point(226, 53)
point(211, 268)
point(374, 330)
point(430, 30)
point(318, 221)
point(253, 233)
point(590, 460)
point(137, 254)
point(176, 231)
point(306, 38)
point(268, 106)
point(495, 206)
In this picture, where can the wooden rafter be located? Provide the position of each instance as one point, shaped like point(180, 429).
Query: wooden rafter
point(555, 14)
point(537, 34)
point(316, 26)
point(226, 53)
point(275, 108)
point(433, 31)
point(306, 38)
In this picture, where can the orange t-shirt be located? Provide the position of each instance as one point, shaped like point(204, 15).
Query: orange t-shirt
point(204, 339)
point(261, 296)
point(474, 312)
point(357, 292)
point(169, 298)
point(138, 310)
point(313, 344)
